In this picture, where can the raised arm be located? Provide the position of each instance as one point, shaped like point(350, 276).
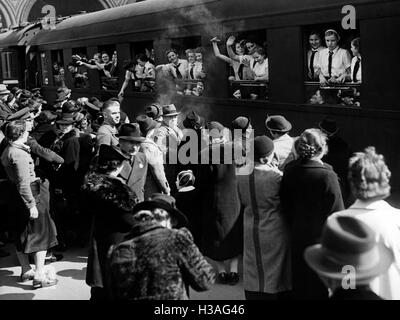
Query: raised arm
point(231, 53)
point(217, 53)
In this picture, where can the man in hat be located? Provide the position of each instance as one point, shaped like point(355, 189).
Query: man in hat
point(279, 128)
point(338, 156)
point(168, 137)
point(155, 112)
point(5, 110)
point(156, 181)
point(108, 132)
point(155, 247)
point(135, 169)
point(63, 95)
point(349, 258)
point(45, 121)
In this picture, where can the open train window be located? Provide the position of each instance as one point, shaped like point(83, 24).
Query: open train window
point(78, 71)
point(108, 63)
point(58, 68)
point(332, 65)
point(140, 70)
point(246, 56)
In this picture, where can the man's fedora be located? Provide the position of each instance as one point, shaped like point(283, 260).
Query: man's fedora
point(61, 96)
point(70, 107)
point(166, 202)
point(110, 153)
point(278, 124)
point(146, 123)
point(241, 123)
point(169, 110)
point(328, 126)
point(66, 118)
point(94, 103)
point(131, 132)
point(347, 241)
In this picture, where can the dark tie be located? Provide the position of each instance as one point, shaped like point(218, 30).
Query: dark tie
point(178, 73)
point(312, 64)
point(240, 71)
point(191, 71)
point(356, 68)
point(330, 63)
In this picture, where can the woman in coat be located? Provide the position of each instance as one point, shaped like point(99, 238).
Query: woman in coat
point(310, 192)
point(223, 241)
point(266, 254)
point(36, 232)
point(110, 202)
point(158, 261)
point(369, 180)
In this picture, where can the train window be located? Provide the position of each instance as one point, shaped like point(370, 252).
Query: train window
point(246, 58)
point(58, 69)
point(78, 71)
point(108, 67)
point(332, 65)
point(141, 68)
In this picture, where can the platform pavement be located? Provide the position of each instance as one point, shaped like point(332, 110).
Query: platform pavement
point(71, 285)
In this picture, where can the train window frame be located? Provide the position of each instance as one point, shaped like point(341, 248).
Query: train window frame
point(9, 69)
point(247, 89)
point(346, 94)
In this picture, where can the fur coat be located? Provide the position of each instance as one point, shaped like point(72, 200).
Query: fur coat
point(157, 263)
point(110, 202)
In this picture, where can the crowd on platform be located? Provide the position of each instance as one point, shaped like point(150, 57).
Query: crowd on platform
point(299, 209)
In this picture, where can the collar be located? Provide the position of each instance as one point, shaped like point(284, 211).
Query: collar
point(375, 205)
point(334, 50)
point(140, 228)
point(23, 147)
point(283, 138)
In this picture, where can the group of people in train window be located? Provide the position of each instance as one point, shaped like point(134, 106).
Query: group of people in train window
point(332, 65)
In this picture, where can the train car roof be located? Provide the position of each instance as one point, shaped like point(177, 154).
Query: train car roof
point(20, 36)
point(112, 21)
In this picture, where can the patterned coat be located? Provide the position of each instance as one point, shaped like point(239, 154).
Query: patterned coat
point(156, 263)
point(110, 202)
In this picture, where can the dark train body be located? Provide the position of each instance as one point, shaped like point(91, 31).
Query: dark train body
point(281, 24)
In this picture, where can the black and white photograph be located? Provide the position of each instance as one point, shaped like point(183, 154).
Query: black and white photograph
point(217, 151)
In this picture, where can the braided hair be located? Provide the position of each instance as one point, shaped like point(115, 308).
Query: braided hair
point(311, 144)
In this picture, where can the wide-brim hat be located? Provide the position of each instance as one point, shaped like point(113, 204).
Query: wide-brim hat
point(70, 107)
point(66, 118)
point(94, 104)
point(192, 121)
point(169, 110)
point(146, 123)
point(131, 132)
point(46, 116)
point(347, 241)
point(329, 126)
point(241, 123)
point(166, 202)
point(110, 153)
point(278, 124)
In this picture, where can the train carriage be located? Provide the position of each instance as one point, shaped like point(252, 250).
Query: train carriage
point(281, 26)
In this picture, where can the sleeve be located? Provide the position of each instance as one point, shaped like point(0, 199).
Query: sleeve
point(333, 193)
point(346, 59)
point(196, 271)
point(128, 75)
point(155, 160)
point(44, 153)
point(21, 169)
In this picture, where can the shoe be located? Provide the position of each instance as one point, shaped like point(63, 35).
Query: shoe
point(222, 277)
point(53, 257)
point(44, 283)
point(27, 276)
point(232, 278)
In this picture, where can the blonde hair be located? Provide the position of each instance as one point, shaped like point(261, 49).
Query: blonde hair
point(369, 175)
point(311, 144)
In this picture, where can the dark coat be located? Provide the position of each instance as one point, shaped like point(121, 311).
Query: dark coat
point(220, 214)
point(134, 174)
point(359, 293)
point(110, 202)
point(156, 263)
point(310, 192)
